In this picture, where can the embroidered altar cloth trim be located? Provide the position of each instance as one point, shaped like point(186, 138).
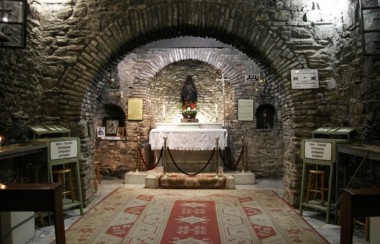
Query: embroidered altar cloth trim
point(188, 139)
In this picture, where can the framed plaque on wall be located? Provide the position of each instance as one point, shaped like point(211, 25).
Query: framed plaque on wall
point(135, 109)
point(304, 79)
point(245, 110)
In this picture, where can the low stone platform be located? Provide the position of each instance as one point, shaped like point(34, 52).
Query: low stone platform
point(199, 181)
point(135, 177)
point(154, 179)
point(242, 178)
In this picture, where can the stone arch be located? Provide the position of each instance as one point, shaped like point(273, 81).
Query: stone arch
point(229, 22)
point(149, 24)
point(180, 54)
point(225, 62)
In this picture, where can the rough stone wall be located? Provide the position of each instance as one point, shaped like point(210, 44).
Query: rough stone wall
point(71, 45)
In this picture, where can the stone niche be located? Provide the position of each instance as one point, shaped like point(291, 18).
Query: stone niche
point(265, 116)
point(111, 149)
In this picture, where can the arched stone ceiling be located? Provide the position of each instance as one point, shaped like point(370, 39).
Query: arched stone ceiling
point(232, 25)
point(220, 62)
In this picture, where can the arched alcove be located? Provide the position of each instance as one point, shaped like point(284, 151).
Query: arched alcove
point(265, 116)
point(113, 113)
point(165, 90)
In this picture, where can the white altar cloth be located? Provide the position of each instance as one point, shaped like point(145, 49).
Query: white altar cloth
point(187, 139)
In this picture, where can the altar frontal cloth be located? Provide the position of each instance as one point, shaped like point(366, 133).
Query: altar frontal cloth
point(188, 139)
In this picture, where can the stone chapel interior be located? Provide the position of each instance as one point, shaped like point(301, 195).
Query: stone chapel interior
point(233, 91)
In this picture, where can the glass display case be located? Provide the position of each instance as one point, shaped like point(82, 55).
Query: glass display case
point(40, 131)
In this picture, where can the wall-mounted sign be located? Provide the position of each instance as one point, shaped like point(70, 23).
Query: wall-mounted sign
point(245, 109)
point(252, 77)
point(305, 79)
point(135, 109)
point(318, 150)
point(63, 149)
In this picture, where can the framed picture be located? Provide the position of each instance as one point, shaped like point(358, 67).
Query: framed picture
point(135, 109)
point(100, 131)
point(13, 23)
point(120, 132)
point(111, 127)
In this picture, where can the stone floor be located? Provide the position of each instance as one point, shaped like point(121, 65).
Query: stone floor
point(331, 232)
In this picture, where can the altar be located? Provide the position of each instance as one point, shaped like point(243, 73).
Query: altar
point(190, 144)
point(188, 136)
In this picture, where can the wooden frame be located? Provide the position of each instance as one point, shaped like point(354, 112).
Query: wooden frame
point(120, 132)
point(112, 127)
point(13, 23)
point(370, 29)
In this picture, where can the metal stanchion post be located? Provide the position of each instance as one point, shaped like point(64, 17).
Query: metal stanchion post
point(165, 157)
point(243, 145)
point(137, 159)
point(217, 158)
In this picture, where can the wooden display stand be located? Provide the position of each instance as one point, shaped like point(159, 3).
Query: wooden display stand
point(64, 151)
point(319, 152)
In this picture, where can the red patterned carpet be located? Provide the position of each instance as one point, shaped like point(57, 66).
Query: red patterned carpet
point(192, 216)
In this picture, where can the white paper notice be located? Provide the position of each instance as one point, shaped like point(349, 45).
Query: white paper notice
point(305, 79)
point(245, 110)
point(318, 150)
point(63, 149)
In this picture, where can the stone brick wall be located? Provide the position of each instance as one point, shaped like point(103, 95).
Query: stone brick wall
point(73, 48)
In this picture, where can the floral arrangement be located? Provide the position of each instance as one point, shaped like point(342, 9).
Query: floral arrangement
point(189, 109)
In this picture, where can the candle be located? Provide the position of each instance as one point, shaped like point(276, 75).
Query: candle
point(0, 143)
point(216, 110)
point(163, 110)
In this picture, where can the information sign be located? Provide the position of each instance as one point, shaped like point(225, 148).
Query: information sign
point(245, 110)
point(305, 79)
point(318, 150)
point(63, 149)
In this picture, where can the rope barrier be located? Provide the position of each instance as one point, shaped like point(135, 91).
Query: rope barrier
point(191, 174)
point(237, 163)
point(220, 153)
point(145, 164)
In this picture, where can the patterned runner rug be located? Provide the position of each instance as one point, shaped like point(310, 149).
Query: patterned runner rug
point(192, 216)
